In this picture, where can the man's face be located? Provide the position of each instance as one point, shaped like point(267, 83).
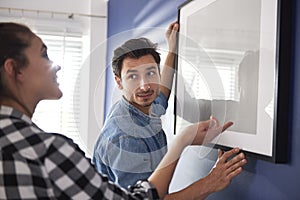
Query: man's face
point(140, 81)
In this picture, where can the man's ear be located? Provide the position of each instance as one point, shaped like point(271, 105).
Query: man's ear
point(119, 82)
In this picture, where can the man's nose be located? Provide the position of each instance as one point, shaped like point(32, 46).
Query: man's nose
point(144, 84)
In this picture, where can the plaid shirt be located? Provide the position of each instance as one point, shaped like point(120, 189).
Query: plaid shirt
point(39, 165)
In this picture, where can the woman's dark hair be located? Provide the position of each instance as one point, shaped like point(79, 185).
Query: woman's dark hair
point(134, 48)
point(14, 39)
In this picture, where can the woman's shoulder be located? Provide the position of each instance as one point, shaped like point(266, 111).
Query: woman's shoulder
point(33, 143)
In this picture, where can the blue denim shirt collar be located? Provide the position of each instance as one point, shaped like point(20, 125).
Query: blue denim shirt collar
point(134, 122)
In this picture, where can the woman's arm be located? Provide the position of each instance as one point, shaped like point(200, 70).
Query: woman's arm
point(219, 177)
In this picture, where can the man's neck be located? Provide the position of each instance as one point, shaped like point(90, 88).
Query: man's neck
point(144, 109)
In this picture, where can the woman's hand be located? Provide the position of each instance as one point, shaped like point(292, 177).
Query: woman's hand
point(203, 132)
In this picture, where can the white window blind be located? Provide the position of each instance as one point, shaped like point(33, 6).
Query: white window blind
point(62, 116)
point(223, 65)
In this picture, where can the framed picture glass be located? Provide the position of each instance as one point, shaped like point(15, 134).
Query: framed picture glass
point(233, 63)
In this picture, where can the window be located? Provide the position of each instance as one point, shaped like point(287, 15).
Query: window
point(77, 44)
point(225, 63)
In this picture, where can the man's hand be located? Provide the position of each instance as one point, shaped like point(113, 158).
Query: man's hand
point(168, 70)
point(226, 169)
point(171, 36)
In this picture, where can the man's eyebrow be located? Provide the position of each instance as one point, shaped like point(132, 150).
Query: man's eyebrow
point(151, 67)
point(131, 71)
point(134, 70)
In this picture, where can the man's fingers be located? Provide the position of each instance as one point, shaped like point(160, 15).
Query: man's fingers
point(172, 28)
point(228, 154)
point(173, 31)
point(235, 167)
point(236, 162)
point(175, 27)
point(220, 153)
point(235, 173)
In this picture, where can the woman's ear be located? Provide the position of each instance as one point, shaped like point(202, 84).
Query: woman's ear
point(12, 69)
point(9, 66)
point(119, 82)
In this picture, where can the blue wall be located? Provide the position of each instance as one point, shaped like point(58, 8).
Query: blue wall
point(133, 18)
point(260, 179)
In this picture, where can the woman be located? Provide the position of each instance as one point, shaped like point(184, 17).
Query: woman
point(39, 165)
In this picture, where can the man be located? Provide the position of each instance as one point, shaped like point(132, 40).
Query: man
point(132, 141)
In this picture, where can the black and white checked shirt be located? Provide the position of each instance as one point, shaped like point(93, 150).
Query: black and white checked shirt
point(39, 165)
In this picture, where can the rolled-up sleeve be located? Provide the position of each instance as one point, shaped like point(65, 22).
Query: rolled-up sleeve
point(160, 105)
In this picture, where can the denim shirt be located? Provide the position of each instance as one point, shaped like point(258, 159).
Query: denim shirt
point(131, 143)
